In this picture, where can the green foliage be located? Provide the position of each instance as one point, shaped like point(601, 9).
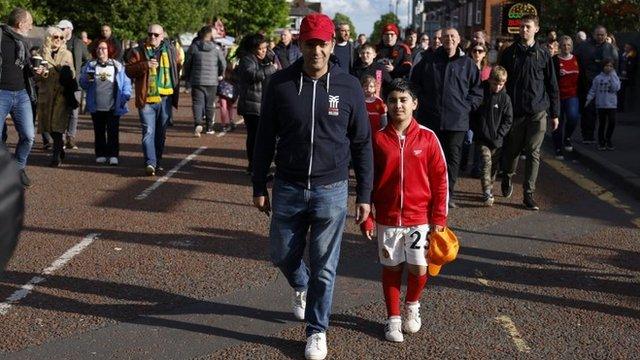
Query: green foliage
point(340, 18)
point(570, 16)
point(249, 16)
point(388, 18)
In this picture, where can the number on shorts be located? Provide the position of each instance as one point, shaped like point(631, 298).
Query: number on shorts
point(416, 236)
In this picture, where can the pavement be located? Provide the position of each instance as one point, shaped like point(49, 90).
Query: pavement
point(622, 166)
point(113, 264)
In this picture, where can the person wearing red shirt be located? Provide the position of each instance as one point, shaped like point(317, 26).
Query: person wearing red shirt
point(376, 108)
point(410, 195)
point(568, 73)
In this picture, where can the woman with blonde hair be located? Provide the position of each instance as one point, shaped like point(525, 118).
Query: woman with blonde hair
point(53, 105)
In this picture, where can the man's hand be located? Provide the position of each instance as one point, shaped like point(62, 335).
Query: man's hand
point(554, 123)
point(153, 63)
point(368, 234)
point(263, 204)
point(40, 70)
point(438, 228)
point(362, 212)
point(389, 67)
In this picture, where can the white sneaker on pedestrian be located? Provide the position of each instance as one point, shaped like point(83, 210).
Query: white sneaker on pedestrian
point(113, 161)
point(393, 329)
point(316, 348)
point(198, 131)
point(411, 321)
point(101, 160)
point(299, 304)
point(211, 131)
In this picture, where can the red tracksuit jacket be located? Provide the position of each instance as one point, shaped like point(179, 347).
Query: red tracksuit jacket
point(410, 185)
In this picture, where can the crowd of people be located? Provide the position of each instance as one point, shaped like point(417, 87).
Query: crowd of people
point(403, 114)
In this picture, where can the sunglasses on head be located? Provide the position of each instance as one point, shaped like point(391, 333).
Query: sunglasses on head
point(153, 34)
point(57, 37)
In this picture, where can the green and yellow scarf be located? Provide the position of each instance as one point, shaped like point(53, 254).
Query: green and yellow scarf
point(160, 83)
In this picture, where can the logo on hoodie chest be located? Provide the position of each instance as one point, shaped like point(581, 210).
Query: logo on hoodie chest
point(334, 102)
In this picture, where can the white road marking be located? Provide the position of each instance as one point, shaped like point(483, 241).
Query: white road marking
point(56, 265)
point(510, 327)
point(144, 194)
point(480, 278)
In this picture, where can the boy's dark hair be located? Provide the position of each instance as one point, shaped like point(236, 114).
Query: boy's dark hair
point(367, 79)
point(402, 85)
point(607, 61)
point(531, 17)
point(366, 46)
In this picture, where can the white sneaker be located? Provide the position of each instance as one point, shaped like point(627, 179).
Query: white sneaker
point(299, 304)
point(411, 321)
point(198, 131)
point(393, 329)
point(316, 348)
point(101, 160)
point(211, 131)
point(113, 161)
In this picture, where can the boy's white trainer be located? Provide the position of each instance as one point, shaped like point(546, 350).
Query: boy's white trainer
point(393, 329)
point(299, 304)
point(411, 321)
point(316, 348)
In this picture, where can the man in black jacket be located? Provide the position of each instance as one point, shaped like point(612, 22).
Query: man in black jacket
point(17, 89)
point(448, 86)
point(317, 113)
point(286, 51)
point(533, 89)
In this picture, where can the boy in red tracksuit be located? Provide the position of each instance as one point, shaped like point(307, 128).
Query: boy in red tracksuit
point(410, 195)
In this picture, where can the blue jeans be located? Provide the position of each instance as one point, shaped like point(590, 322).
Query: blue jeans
point(18, 104)
point(322, 211)
point(568, 120)
point(154, 119)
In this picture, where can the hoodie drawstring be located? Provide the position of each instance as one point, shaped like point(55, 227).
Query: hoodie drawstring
point(300, 88)
point(328, 81)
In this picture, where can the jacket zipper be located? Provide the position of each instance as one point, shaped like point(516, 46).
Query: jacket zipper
point(313, 125)
point(402, 143)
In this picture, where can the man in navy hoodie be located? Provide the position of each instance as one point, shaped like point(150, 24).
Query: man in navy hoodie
point(317, 112)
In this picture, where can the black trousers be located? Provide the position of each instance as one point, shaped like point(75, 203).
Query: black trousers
point(204, 98)
point(251, 121)
point(58, 152)
point(106, 128)
point(606, 125)
point(452, 146)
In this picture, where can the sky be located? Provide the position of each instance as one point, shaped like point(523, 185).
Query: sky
point(364, 13)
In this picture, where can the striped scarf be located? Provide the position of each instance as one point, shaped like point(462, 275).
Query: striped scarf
point(160, 83)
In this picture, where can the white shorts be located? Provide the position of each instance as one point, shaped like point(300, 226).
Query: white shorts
point(403, 244)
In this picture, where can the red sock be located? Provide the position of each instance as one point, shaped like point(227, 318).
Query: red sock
point(391, 281)
point(415, 284)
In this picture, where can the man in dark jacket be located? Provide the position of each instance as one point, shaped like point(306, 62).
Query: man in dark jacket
point(533, 89)
point(344, 49)
point(394, 54)
point(448, 85)
point(115, 48)
point(203, 69)
point(11, 206)
point(16, 86)
point(316, 111)
point(80, 56)
point(153, 67)
point(287, 51)
point(590, 55)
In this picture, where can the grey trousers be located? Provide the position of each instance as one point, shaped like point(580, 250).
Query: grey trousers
point(525, 137)
point(73, 116)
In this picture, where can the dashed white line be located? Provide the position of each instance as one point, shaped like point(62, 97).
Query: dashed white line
point(144, 194)
point(480, 278)
point(511, 329)
point(56, 265)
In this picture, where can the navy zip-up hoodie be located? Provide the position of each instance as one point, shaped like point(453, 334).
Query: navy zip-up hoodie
point(319, 125)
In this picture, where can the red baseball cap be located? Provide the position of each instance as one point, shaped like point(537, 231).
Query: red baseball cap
point(391, 28)
point(317, 26)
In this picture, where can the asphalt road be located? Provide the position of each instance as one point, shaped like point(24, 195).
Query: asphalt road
point(112, 264)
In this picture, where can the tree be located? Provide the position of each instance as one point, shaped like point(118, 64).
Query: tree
point(571, 16)
point(249, 16)
point(388, 18)
point(341, 18)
